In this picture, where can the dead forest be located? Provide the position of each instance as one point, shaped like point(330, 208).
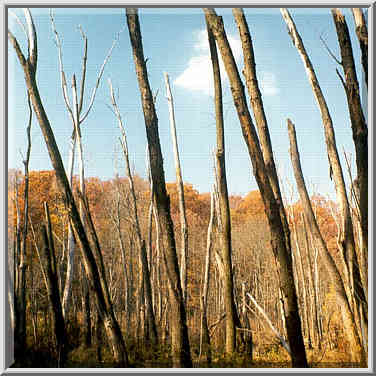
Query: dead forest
point(141, 272)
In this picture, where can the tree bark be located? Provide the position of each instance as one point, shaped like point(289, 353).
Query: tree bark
point(350, 328)
point(278, 243)
point(205, 351)
point(362, 34)
point(259, 114)
point(346, 241)
point(224, 207)
point(359, 128)
point(29, 66)
point(20, 293)
point(52, 286)
point(180, 348)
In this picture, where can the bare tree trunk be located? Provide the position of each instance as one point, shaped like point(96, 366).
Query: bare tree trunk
point(313, 278)
point(53, 291)
point(346, 241)
point(224, 208)
point(362, 34)
point(180, 189)
point(145, 272)
point(274, 330)
point(259, 113)
point(278, 239)
point(77, 118)
point(71, 244)
point(20, 292)
point(179, 332)
point(29, 66)
point(205, 351)
point(301, 277)
point(78, 137)
point(359, 130)
point(350, 328)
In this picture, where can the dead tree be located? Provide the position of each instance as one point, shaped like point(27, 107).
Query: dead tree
point(224, 207)
point(350, 328)
point(105, 308)
point(274, 330)
point(77, 116)
point(179, 332)
point(145, 272)
point(362, 34)
point(346, 243)
point(52, 285)
point(358, 124)
point(278, 240)
point(205, 352)
point(257, 105)
point(180, 189)
point(21, 264)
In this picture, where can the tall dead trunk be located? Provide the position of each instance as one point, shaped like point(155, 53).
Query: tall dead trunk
point(300, 276)
point(29, 66)
point(78, 137)
point(278, 240)
point(205, 351)
point(20, 292)
point(346, 243)
point(350, 328)
point(224, 207)
point(75, 113)
point(180, 189)
point(53, 290)
point(259, 114)
point(362, 34)
point(71, 244)
point(180, 347)
point(359, 129)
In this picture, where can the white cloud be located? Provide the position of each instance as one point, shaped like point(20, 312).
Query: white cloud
point(198, 76)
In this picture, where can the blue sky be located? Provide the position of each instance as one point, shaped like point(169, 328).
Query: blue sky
point(175, 42)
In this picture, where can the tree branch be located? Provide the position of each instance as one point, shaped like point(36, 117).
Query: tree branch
point(19, 22)
point(62, 73)
point(84, 64)
point(100, 76)
point(17, 48)
point(329, 51)
point(32, 39)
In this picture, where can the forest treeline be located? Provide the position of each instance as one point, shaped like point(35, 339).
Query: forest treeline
point(139, 272)
point(253, 265)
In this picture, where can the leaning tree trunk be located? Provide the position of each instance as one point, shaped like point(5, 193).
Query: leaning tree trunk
point(278, 243)
point(358, 125)
point(350, 328)
point(259, 113)
point(180, 347)
point(346, 241)
point(224, 207)
point(180, 189)
point(105, 308)
point(362, 34)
